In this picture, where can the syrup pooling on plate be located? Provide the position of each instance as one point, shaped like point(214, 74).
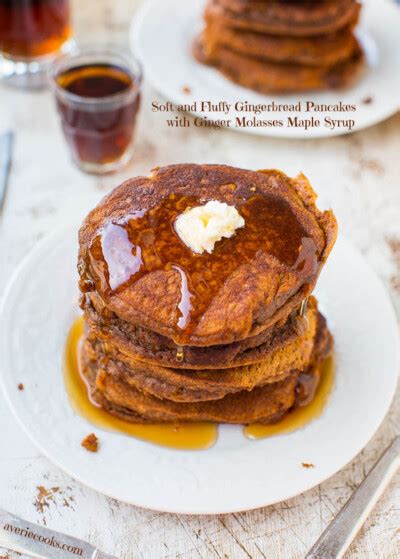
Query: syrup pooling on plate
point(127, 249)
point(313, 391)
point(312, 394)
point(184, 436)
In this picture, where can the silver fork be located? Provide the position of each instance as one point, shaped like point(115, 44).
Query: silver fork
point(344, 527)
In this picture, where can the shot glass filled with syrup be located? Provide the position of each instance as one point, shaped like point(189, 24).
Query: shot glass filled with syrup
point(32, 34)
point(98, 99)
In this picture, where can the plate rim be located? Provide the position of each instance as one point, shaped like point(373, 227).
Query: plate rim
point(26, 261)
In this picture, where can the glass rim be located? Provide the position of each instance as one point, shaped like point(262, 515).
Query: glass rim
point(68, 60)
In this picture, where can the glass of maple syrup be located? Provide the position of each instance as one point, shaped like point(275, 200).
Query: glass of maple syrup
point(32, 34)
point(98, 98)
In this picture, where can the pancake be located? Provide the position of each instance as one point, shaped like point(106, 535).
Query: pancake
point(150, 347)
point(264, 404)
point(270, 77)
point(176, 336)
point(138, 345)
point(187, 385)
point(296, 18)
point(250, 281)
point(322, 50)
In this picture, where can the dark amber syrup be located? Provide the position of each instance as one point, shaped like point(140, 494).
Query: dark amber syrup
point(145, 242)
point(95, 80)
point(33, 28)
point(186, 436)
point(100, 131)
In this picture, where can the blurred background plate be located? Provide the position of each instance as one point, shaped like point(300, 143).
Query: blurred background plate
point(162, 34)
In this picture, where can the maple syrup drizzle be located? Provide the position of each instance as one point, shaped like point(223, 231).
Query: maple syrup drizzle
point(185, 306)
point(184, 436)
point(126, 250)
point(123, 260)
point(180, 355)
point(312, 395)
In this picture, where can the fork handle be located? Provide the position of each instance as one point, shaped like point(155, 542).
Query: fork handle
point(341, 531)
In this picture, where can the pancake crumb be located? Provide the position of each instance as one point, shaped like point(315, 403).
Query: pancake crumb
point(307, 465)
point(21, 386)
point(394, 245)
point(186, 89)
point(90, 443)
point(44, 497)
point(368, 100)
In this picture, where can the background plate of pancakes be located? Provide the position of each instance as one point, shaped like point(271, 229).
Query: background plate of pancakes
point(171, 67)
point(236, 474)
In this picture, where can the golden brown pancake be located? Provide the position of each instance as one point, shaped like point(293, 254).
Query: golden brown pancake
point(190, 385)
point(118, 337)
point(320, 50)
point(270, 77)
point(150, 347)
point(262, 404)
point(249, 282)
point(174, 336)
point(303, 18)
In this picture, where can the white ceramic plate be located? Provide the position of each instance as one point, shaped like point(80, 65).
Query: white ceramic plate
point(236, 474)
point(162, 33)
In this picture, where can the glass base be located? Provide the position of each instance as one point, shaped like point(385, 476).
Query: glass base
point(27, 73)
point(104, 168)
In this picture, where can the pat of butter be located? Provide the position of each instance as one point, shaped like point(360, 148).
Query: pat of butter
point(202, 226)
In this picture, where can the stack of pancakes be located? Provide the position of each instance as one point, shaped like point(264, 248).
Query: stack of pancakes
point(282, 45)
point(232, 336)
